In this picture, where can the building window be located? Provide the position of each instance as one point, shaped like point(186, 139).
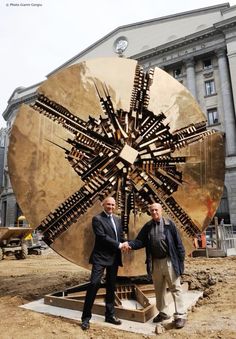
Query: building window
point(207, 63)
point(177, 72)
point(18, 214)
point(223, 209)
point(212, 116)
point(210, 87)
point(4, 214)
point(5, 180)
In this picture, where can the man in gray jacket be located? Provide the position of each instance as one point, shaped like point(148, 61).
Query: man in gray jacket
point(165, 259)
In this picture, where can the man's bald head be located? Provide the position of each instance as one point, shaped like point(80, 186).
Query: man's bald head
point(155, 210)
point(109, 205)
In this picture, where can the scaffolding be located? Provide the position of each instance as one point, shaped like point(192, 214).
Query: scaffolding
point(219, 240)
point(227, 239)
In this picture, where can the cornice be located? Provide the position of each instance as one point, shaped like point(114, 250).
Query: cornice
point(16, 103)
point(20, 90)
point(226, 24)
point(173, 45)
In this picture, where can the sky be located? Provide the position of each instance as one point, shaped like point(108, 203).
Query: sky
point(37, 36)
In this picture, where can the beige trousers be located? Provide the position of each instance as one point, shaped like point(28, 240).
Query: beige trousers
point(163, 275)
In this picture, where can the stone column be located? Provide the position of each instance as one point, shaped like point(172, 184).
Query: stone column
point(191, 84)
point(230, 126)
point(231, 52)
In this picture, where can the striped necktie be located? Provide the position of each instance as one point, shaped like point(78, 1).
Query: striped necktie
point(113, 225)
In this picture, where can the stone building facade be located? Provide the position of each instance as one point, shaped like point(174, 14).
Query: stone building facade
point(198, 48)
point(3, 132)
point(2, 155)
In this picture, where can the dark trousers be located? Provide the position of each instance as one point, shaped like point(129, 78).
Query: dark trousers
point(95, 280)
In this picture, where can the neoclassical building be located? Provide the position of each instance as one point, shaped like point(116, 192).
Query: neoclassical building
point(198, 48)
point(2, 155)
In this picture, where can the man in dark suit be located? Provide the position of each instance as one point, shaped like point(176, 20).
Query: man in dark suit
point(106, 254)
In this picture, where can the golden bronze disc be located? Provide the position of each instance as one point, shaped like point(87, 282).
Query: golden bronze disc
point(106, 127)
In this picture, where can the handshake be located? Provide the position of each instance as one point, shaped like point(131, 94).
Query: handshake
point(125, 247)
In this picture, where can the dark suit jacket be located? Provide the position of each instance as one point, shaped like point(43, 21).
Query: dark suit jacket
point(174, 242)
point(106, 248)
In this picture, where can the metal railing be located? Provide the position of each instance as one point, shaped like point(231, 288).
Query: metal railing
point(223, 237)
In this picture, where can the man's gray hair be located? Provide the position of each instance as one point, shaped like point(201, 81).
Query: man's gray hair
point(154, 203)
point(104, 200)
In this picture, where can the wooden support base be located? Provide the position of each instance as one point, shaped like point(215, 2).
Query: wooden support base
point(141, 311)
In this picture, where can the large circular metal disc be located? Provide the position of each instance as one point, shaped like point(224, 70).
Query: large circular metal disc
point(105, 127)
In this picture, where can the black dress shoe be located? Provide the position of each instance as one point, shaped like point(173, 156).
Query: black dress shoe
point(160, 317)
point(113, 320)
point(85, 325)
point(179, 323)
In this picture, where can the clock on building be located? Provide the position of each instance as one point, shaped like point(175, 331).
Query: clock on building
point(120, 45)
